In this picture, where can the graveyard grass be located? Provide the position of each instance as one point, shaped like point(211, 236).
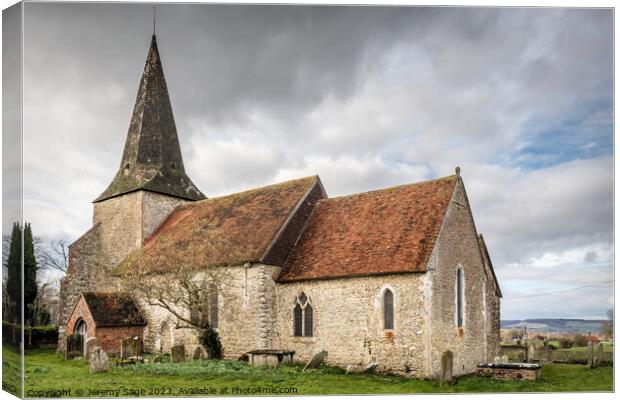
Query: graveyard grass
point(45, 370)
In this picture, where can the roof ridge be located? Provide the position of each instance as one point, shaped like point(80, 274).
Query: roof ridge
point(243, 192)
point(404, 185)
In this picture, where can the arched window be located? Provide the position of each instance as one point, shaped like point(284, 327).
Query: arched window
point(302, 316)
point(213, 306)
point(388, 309)
point(308, 320)
point(459, 297)
point(297, 320)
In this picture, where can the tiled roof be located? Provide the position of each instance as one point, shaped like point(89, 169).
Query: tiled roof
point(380, 232)
point(228, 230)
point(113, 309)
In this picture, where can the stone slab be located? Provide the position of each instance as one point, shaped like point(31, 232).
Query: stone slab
point(316, 360)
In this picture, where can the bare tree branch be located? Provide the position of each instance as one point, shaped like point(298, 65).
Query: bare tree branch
point(55, 256)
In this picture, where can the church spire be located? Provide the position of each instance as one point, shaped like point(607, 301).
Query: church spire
point(152, 156)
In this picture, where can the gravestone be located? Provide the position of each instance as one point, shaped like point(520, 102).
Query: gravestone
point(599, 355)
point(316, 360)
point(197, 353)
point(89, 347)
point(177, 354)
point(446, 367)
point(370, 368)
point(75, 346)
point(98, 360)
point(530, 352)
point(590, 355)
point(131, 347)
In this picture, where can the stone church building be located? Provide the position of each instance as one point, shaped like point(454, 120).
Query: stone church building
point(395, 276)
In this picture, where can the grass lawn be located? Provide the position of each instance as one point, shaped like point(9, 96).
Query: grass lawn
point(48, 371)
point(11, 370)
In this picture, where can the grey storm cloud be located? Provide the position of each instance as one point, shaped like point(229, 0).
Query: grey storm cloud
point(367, 97)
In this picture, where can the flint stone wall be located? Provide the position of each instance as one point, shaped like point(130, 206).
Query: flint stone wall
point(457, 246)
point(120, 225)
point(246, 314)
point(348, 322)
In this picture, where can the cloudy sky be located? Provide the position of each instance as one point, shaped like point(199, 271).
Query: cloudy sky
point(520, 99)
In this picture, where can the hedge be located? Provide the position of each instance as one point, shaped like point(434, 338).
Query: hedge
point(33, 335)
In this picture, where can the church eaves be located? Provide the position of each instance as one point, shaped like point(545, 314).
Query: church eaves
point(152, 156)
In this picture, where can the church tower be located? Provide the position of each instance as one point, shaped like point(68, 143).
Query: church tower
point(150, 182)
point(151, 179)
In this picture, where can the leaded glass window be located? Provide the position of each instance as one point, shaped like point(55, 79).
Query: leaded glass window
point(459, 297)
point(213, 306)
point(308, 320)
point(302, 315)
point(297, 320)
point(388, 309)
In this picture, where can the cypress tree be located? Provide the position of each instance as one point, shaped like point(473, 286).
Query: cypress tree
point(30, 274)
point(14, 279)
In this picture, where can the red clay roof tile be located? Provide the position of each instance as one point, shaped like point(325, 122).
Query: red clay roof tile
point(228, 230)
point(380, 232)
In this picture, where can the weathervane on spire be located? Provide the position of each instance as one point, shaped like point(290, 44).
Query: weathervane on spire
point(154, 15)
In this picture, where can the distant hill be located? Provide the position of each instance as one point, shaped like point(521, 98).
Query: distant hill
point(559, 325)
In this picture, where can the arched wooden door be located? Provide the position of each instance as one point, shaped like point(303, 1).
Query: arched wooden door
point(81, 329)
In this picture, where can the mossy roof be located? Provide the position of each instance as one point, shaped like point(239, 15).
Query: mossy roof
point(227, 230)
point(113, 309)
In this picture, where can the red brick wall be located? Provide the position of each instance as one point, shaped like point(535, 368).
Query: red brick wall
point(110, 337)
point(81, 312)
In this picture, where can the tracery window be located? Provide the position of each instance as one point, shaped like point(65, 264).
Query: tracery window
point(388, 309)
point(302, 316)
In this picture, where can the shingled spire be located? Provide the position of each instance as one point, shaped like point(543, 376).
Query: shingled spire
point(152, 157)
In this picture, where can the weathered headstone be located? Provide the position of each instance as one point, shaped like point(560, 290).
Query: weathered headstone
point(530, 352)
point(157, 359)
point(89, 347)
point(197, 353)
point(370, 368)
point(177, 354)
point(131, 347)
point(590, 355)
point(446, 367)
point(599, 355)
point(316, 360)
point(98, 360)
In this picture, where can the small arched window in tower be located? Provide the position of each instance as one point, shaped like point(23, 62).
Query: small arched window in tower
point(302, 316)
point(459, 297)
point(173, 165)
point(126, 169)
point(388, 309)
